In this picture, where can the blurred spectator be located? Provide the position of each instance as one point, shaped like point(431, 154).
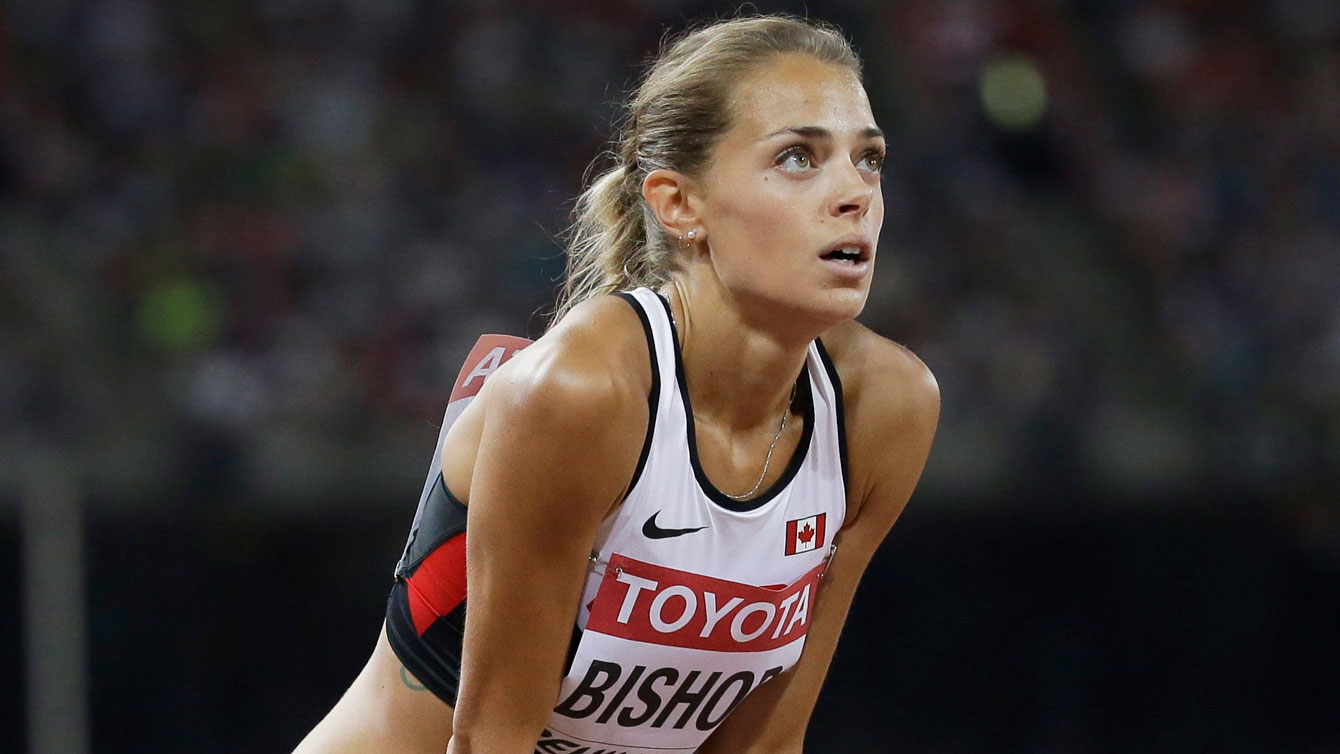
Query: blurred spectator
point(246, 242)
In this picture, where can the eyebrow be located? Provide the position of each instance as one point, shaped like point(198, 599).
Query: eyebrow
point(870, 132)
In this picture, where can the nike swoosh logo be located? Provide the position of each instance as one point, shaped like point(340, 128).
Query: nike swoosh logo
point(651, 531)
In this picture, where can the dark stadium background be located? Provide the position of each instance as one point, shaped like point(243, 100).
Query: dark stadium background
point(245, 246)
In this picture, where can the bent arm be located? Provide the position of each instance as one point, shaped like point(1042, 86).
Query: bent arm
point(894, 433)
point(561, 436)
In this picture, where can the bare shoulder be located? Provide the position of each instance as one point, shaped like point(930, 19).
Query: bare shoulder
point(587, 369)
point(586, 381)
point(892, 406)
point(882, 380)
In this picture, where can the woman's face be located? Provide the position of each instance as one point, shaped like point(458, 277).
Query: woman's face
point(791, 200)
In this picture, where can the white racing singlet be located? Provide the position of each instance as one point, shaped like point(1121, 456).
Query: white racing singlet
point(692, 599)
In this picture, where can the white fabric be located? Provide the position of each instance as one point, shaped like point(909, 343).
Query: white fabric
point(677, 629)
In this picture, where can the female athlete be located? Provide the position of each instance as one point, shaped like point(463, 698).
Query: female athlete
point(671, 496)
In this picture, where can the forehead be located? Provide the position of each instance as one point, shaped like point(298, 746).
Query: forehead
point(798, 90)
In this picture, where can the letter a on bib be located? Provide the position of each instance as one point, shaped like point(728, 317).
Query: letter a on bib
point(489, 353)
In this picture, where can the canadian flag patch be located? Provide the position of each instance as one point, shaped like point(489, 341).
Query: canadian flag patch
point(805, 534)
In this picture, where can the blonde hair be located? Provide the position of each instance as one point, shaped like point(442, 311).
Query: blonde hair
point(672, 121)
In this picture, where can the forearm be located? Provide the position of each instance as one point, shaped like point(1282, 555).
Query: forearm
point(497, 740)
point(503, 707)
point(512, 665)
point(760, 747)
point(495, 729)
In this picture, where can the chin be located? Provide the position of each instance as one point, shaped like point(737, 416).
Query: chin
point(815, 307)
point(847, 303)
point(831, 306)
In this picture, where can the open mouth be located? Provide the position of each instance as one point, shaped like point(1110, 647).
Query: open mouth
point(846, 255)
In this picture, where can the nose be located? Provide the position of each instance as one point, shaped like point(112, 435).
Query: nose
point(852, 195)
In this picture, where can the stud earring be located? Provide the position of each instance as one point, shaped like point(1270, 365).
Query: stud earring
point(693, 234)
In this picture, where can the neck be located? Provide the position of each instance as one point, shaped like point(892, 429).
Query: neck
point(740, 369)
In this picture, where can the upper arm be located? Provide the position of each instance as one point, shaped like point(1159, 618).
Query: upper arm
point(561, 434)
point(894, 416)
point(893, 406)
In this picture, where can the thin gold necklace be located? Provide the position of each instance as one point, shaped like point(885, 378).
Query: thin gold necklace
point(786, 411)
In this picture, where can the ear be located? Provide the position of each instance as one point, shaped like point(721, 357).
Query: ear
point(672, 197)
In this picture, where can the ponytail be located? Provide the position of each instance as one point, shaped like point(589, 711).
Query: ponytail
point(673, 120)
point(608, 242)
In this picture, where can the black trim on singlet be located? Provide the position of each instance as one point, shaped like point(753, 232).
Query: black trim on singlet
point(435, 657)
point(804, 392)
point(654, 397)
point(833, 377)
point(443, 518)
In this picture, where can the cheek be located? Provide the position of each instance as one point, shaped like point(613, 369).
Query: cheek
point(760, 218)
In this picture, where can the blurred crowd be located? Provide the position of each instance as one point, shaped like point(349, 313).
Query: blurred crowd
point(246, 244)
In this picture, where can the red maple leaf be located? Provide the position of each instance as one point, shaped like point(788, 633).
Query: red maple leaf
point(806, 534)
